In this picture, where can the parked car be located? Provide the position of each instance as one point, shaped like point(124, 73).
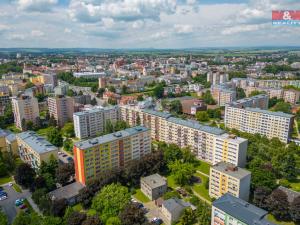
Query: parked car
point(157, 221)
point(3, 197)
point(70, 159)
point(23, 206)
point(3, 193)
point(19, 202)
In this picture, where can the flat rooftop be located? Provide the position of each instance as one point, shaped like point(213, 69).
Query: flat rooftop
point(36, 142)
point(197, 126)
point(231, 170)
point(95, 109)
point(279, 114)
point(242, 210)
point(157, 113)
point(233, 138)
point(110, 137)
point(154, 180)
point(67, 192)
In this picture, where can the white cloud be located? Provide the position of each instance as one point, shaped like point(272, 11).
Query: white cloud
point(126, 10)
point(36, 5)
point(17, 37)
point(242, 28)
point(37, 33)
point(159, 35)
point(183, 28)
point(67, 30)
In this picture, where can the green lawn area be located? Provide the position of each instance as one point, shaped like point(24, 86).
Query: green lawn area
point(91, 212)
point(4, 180)
point(273, 219)
point(78, 207)
point(204, 167)
point(139, 195)
point(43, 131)
point(17, 188)
point(200, 188)
point(171, 182)
point(295, 184)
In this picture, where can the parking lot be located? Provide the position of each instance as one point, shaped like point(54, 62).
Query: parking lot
point(8, 205)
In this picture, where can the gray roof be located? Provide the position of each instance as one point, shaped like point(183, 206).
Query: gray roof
point(11, 137)
point(4, 133)
point(196, 125)
point(67, 192)
point(154, 180)
point(279, 114)
point(110, 137)
point(157, 113)
point(95, 110)
point(174, 203)
point(36, 142)
point(238, 173)
point(242, 210)
point(291, 194)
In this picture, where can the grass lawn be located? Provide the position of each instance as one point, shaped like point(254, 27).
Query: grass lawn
point(91, 212)
point(204, 167)
point(200, 188)
point(295, 184)
point(4, 180)
point(273, 219)
point(171, 182)
point(17, 188)
point(78, 207)
point(139, 195)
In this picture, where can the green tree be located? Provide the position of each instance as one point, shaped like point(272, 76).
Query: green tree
point(158, 91)
point(295, 210)
point(202, 116)
point(172, 153)
point(188, 217)
point(93, 102)
point(111, 200)
point(132, 214)
point(282, 107)
point(124, 89)
point(113, 221)
point(175, 106)
point(24, 175)
point(140, 98)
point(273, 101)
point(68, 145)
point(70, 93)
point(240, 93)
point(263, 178)
point(208, 99)
point(27, 219)
point(68, 130)
point(254, 93)
point(278, 205)
point(182, 172)
point(54, 137)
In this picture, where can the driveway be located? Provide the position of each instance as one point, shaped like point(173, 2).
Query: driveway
point(8, 205)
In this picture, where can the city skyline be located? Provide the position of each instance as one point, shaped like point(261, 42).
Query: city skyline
point(144, 24)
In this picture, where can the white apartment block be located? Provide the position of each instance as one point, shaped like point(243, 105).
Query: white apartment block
point(255, 120)
point(25, 108)
point(291, 96)
point(207, 143)
point(91, 122)
point(228, 178)
point(217, 77)
point(222, 94)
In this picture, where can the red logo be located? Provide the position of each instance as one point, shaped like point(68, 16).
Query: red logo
point(286, 15)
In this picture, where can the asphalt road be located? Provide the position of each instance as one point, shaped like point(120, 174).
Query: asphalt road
point(8, 205)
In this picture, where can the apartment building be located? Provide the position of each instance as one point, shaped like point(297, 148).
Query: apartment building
point(207, 143)
point(229, 210)
point(216, 77)
point(256, 120)
point(25, 108)
point(154, 186)
point(228, 178)
point(259, 101)
point(291, 96)
point(91, 122)
point(4, 102)
point(222, 94)
point(102, 154)
point(61, 108)
point(33, 149)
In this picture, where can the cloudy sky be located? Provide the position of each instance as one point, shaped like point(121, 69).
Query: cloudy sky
point(144, 23)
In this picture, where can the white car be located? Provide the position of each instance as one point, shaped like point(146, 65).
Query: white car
point(3, 197)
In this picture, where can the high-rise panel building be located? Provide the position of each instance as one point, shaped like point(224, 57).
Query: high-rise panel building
point(61, 108)
point(100, 155)
point(25, 108)
point(207, 143)
point(91, 122)
point(228, 178)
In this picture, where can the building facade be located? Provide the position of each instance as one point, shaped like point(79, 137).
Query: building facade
point(99, 155)
point(25, 108)
point(33, 149)
point(154, 186)
point(228, 178)
point(207, 143)
point(61, 108)
point(256, 120)
point(91, 122)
